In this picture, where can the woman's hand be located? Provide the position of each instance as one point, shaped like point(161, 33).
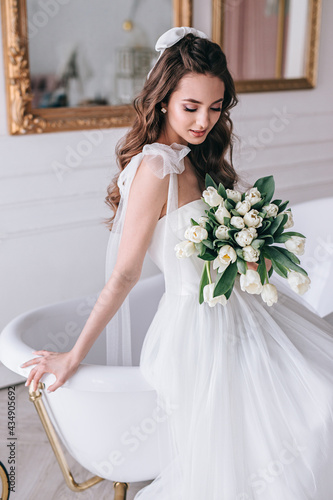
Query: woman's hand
point(254, 265)
point(61, 364)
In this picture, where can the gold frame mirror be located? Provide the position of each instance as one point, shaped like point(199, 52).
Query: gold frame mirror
point(308, 80)
point(22, 117)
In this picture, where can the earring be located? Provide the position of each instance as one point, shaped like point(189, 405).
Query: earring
point(163, 110)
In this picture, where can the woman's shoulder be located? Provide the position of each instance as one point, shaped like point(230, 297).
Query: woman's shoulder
point(165, 159)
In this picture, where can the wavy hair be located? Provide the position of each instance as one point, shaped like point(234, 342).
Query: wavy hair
point(191, 54)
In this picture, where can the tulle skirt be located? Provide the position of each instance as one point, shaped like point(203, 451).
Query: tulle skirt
point(249, 390)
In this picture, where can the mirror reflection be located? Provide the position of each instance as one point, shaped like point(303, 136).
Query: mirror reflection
point(89, 53)
point(266, 39)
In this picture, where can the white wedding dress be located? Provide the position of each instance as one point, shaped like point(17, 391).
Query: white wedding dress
point(250, 387)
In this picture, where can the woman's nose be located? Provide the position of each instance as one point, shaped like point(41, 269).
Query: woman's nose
point(202, 120)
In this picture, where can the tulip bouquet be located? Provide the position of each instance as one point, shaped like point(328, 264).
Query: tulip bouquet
point(239, 228)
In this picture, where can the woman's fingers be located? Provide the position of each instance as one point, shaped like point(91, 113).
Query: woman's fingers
point(33, 361)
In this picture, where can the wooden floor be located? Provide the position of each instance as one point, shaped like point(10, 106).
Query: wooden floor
point(38, 476)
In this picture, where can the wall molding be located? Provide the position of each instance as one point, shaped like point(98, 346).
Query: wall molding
point(96, 165)
point(24, 233)
point(248, 117)
point(54, 199)
point(282, 166)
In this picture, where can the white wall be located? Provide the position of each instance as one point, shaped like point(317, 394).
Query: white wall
point(52, 241)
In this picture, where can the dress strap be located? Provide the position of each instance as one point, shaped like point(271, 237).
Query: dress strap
point(166, 159)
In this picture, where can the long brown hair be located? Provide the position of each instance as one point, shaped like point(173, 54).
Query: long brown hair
point(190, 54)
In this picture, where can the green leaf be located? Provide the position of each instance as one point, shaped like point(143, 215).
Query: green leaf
point(208, 244)
point(290, 255)
point(257, 243)
point(280, 229)
point(276, 224)
point(194, 223)
point(277, 202)
point(279, 269)
point(286, 236)
point(266, 185)
point(226, 280)
point(258, 205)
point(228, 292)
point(226, 221)
point(210, 182)
point(281, 258)
point(220, 243)
point(283, 206)
point(212, 217)
point(228, 205)
point(269, 240)
point(232, 202)
point(241, 266)
point(234, 212)
point(239, 252)
point(270, 272)
point(264, 228)
point(203, 282)
point(207, 255)
point(261, 269)
point(232, 232)
point(221, 191)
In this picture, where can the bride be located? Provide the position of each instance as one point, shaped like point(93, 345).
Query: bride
point(250, 386)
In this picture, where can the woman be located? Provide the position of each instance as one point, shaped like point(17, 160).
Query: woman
point(250, 388)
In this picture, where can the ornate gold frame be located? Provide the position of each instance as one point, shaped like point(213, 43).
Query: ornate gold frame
point(22, 118)
point(307, 82)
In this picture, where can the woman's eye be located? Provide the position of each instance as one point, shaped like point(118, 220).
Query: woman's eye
point(216, 109)
point(190, 109)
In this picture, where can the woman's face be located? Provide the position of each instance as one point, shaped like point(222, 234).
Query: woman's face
point(193, 109)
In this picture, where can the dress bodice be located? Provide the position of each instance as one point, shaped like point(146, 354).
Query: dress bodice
point(183, 274)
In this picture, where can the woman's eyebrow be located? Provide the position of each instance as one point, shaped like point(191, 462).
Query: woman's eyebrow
point(198, 102)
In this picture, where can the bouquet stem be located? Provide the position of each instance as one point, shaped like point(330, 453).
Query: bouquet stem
point(207, 265)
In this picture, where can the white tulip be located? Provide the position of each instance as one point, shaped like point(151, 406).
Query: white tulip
point(298, 282)
point(221, 232)
point(253, 232)
point(184, 249)
point(269, 294)
point(234, 195)
point(253, 195)
point(196, 234)
point(208, 296)
point(253, 219)
point(222, 212)
point(250, 254)
point(225, 256)
point(271, 210)
point(212, 197)
point(243, 207)
point(295, 244)
point(202, 221)
point(290, 221)
point(244, 237)
point(237, 222)
point(250, 282)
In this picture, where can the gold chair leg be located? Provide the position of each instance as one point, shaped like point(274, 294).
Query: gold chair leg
point(36, 398)
point(4, 482)
point(120, 490)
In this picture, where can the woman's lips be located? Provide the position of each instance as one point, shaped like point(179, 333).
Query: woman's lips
point(198, 133)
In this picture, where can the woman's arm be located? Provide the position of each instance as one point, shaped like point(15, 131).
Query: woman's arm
point(147, 196)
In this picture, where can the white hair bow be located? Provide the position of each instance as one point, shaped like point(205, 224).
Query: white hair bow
point(173, 36)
